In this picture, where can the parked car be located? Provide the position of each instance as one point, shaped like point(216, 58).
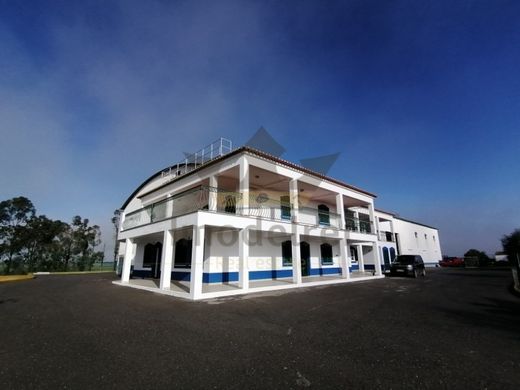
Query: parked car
point(452, 262)
point(412, 265)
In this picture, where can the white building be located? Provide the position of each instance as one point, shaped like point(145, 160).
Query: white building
point(226, 222)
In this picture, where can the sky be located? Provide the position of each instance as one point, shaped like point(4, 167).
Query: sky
point(421, 99)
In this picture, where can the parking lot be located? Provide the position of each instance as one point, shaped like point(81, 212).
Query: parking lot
point(456, 328)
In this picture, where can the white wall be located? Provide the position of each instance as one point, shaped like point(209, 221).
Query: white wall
point(415, 239)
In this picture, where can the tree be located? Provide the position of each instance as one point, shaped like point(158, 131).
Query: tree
point(483, 258)
point(511, 245)
point(84, 239)
point(115, 222)
point(14, 215)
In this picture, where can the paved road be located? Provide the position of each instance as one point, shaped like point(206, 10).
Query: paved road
point(454, 329)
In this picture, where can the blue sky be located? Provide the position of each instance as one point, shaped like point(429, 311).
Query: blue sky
point(421, 99)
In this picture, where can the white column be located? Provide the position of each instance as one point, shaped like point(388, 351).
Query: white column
point(197, 261)
point(340, 209)
point(345, 269)
point(127, 262)
point(372, 217)
point(376, 226)
point(392, 230)
point(361, 260)
point(244, 184)
point(377, 258)
point(166, 260)
point(243, 254)
point(212, 196)
point(296, 257)
point(293, 196)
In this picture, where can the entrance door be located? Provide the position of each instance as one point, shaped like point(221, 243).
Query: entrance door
point(152, 258)
point(305, 255)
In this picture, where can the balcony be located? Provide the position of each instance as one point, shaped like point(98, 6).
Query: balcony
point(358, 225)
point(260, 206)
point(386, 236)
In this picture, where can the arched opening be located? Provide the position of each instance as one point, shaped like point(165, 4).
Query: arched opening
point(287, 253)
point(152, 258)
point(392, 254)
point(326, 253)
point(386, 256)
point(323, 214)
point(183, 253)
point(305, 257)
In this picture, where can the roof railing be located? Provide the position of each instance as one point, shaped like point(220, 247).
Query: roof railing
point(218, 148)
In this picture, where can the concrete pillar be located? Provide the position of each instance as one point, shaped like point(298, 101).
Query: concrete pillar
point(293, 196)
point(392, 230)
point(244, 184)
point(243, 254)
point(377, 258)
point(166, 260)
point(361, 260)
point(340, 209)
point(296, 258)
point(127, 262)
point(343, 261)
point(197, 261)
point(372, 217)
point(212, 196)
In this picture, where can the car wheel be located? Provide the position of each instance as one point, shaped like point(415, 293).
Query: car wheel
point(415, 273)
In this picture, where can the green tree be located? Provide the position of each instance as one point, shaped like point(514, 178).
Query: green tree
point(40, 243)
point(14, 215)
point(511, 245)
point(483, 258)
point(84, 240)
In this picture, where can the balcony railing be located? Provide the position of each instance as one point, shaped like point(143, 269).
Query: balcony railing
point(386, 236)
point(358, 225)
point(312, 216)
point(260, 206)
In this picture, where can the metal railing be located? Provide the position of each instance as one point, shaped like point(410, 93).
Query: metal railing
point(386, 236)
point(210, 152)
point(358, 225)
point(224, 201)
point(313, 216)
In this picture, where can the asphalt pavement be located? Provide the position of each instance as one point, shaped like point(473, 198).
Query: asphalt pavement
point(454, 329)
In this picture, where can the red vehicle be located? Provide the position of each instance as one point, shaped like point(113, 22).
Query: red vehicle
point(452, 262)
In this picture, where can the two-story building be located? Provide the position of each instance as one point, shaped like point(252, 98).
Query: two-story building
point(232, 221)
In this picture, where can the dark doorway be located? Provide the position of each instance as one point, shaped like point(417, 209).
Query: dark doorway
point(305, 255)
point(152, 258)
point(386, 257)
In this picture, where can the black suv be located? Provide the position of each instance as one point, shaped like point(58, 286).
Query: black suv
point(408, 265)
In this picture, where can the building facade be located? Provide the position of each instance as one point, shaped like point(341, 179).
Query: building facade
point(226, 222)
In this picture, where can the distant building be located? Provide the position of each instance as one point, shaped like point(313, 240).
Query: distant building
point(231, 221)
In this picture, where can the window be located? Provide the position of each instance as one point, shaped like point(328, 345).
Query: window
point(415, 234)
point(433, 238)
point(425, 236)
point(323, 215)
point(326, 254)
point(183, 253)
point(287, 253)
point(152, 254)
point(285, 205)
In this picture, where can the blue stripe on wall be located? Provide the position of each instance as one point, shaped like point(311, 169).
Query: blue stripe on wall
point(220, 277)
point(270, 274)
point(324, 271)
